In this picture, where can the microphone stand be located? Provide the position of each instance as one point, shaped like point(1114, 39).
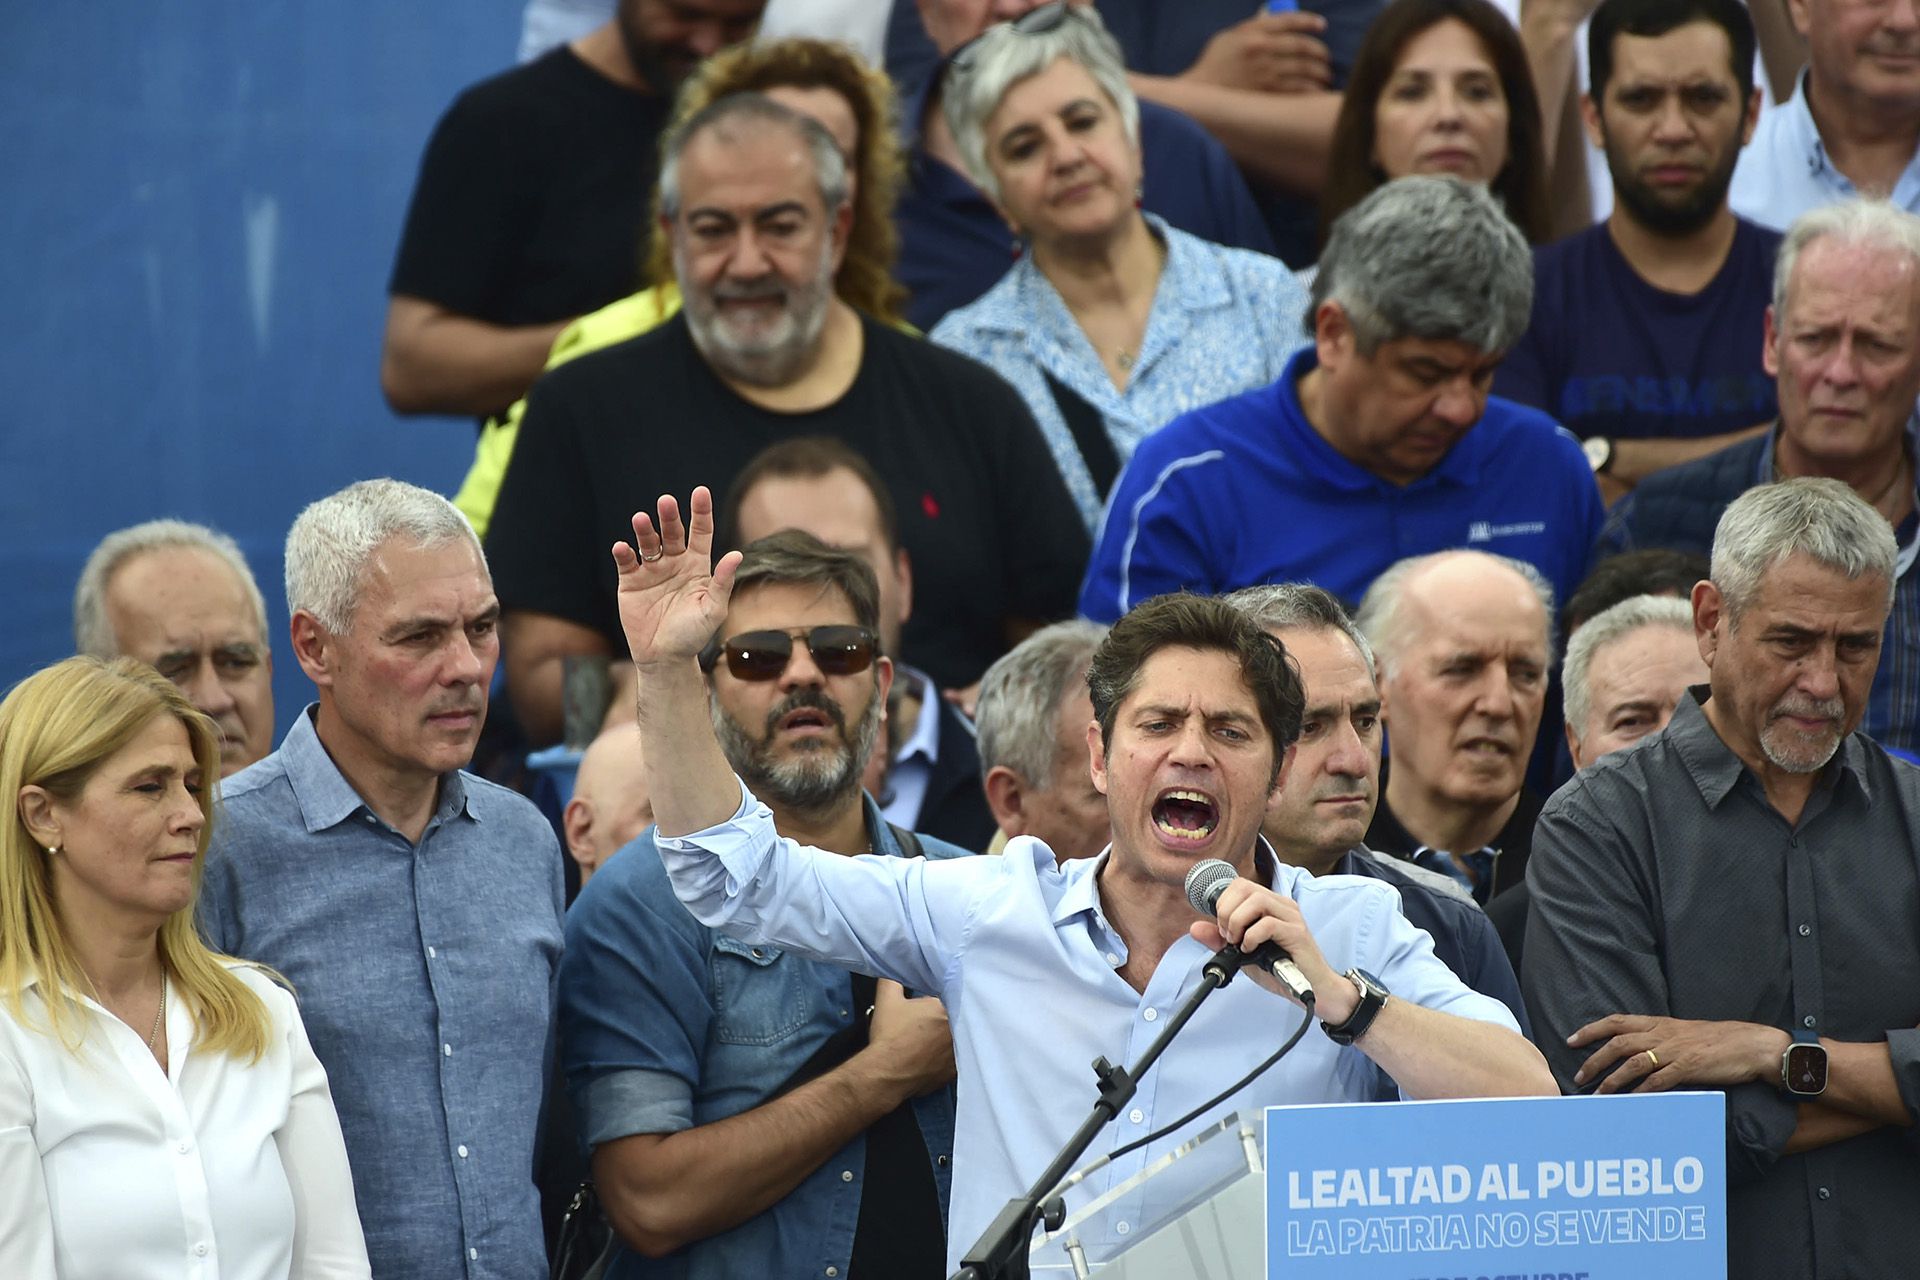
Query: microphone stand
point(1001, 1253)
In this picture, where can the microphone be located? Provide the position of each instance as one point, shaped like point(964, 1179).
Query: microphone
point(1205, 882)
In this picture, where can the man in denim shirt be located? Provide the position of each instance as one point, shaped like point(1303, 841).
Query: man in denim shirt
point(414, 908)
point(751, 1112)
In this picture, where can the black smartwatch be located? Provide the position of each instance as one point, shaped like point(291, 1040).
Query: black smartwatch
point(1803, 1067)
point(1373, 998)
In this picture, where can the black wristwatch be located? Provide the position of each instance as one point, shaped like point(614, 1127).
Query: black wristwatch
point(1373, 998)
point(1803, 1067)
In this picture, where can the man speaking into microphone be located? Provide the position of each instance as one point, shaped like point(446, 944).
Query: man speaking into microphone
point(1045, 966)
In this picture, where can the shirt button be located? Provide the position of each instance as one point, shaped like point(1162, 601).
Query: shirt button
point(833, 1271)
point(1112, 958)
point(431, 953)
point(1806, 930)
point(201, 1248)
point(941, 1161)
point(1137, 1116)
point(1824, 1194)
point(473, 1255)
point(1807, 1021)
point(1121, 1228)
point(758, 954)
point(446, 1050)
point(462, 1149)
point(846, 1175)
point(1151, 1014)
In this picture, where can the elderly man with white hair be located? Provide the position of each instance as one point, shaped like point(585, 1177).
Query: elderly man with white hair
point(1843, 342)
point(181, 598)
point(414, 906)
point(1032, 718)
point(1464, 642)
point(1730, 904)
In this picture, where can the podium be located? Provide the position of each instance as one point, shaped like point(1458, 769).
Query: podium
point(1198, 1211)
point(1556, 1187)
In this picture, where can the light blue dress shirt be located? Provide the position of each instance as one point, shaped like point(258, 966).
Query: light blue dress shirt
point(425, 974)
point(1785, 171)
point(1223, 321)
point(1021, 951)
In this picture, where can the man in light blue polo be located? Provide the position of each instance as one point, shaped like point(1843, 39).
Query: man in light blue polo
point(1378, 442)
point(414, 907)
point(1044, 965)
point(1852, 128)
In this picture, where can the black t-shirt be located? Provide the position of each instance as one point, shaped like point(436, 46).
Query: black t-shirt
point(983, 511)
point(532, 196)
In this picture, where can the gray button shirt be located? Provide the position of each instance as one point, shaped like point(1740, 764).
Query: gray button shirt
point(425, 974)
point(1664, 883)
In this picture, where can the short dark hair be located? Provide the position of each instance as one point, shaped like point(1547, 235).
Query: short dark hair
point(1656, 571)
point(1185, 621)
point(1648, 18)
point(807, 458)
point(1351, 172)
point(793, 557)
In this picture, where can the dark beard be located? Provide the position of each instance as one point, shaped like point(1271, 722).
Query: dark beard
point(1663, 218)
point(814, 783)
point(661, 74)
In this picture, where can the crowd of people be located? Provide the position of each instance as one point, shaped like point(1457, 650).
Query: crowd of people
point(1041, 447)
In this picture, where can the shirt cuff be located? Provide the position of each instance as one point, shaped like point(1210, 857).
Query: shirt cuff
point(739, 843)
point(1760, 1120)
point(623, 1103)
point(1903, 1047)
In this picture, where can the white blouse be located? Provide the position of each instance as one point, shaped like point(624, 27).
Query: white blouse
point(215, 1169)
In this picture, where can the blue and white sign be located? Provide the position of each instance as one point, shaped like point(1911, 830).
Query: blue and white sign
point(1591, 1188)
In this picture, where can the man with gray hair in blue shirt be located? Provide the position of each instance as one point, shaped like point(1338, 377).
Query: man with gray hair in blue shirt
point(414, 907)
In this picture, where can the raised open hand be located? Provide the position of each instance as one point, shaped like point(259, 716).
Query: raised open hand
point(672, 596)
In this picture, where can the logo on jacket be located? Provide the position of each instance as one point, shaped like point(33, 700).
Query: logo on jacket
point(1487, 531)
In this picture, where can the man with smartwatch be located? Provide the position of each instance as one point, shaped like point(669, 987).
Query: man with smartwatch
point(1044, 966)
point(1731, 903)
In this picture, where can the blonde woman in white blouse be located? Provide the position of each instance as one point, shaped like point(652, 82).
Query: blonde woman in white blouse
point(161, 1113)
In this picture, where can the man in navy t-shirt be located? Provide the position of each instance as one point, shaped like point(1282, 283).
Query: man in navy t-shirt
point(1645, 339)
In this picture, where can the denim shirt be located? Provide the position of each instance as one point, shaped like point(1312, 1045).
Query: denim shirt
point(425, 974)
point(665, 1025)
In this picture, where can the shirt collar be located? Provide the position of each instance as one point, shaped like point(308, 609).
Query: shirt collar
point(1082, 893)
point(926, 730)
point(326, 798)
point(1802, 133)
point(1716, 769)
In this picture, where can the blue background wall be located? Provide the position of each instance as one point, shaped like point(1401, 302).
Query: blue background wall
point(199, 204)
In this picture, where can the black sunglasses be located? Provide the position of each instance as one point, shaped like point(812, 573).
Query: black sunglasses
point(763, 655)
point(1031, 23)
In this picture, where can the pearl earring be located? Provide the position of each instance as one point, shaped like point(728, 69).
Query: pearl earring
point(53, 851)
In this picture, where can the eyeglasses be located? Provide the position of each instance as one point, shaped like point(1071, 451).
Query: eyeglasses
point(1031, 23)
point(763, 655)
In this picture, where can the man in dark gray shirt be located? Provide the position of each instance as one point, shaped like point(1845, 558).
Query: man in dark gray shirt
point(1734, 902)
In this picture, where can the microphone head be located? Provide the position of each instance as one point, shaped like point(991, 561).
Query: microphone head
point(1206, 880)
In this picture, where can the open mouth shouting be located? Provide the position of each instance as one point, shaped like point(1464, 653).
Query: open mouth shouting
point(1185, 817)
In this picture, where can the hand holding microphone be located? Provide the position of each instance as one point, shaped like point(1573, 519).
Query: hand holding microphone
point(1247, 914)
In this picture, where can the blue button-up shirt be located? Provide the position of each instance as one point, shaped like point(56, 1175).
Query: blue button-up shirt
point(425, 974)
point(1021, 950)
point(665, 1025)
point(1785, 170)
point(1223, 321)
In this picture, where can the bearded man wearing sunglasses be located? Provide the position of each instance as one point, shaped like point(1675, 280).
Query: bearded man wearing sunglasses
point(752, 1111)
